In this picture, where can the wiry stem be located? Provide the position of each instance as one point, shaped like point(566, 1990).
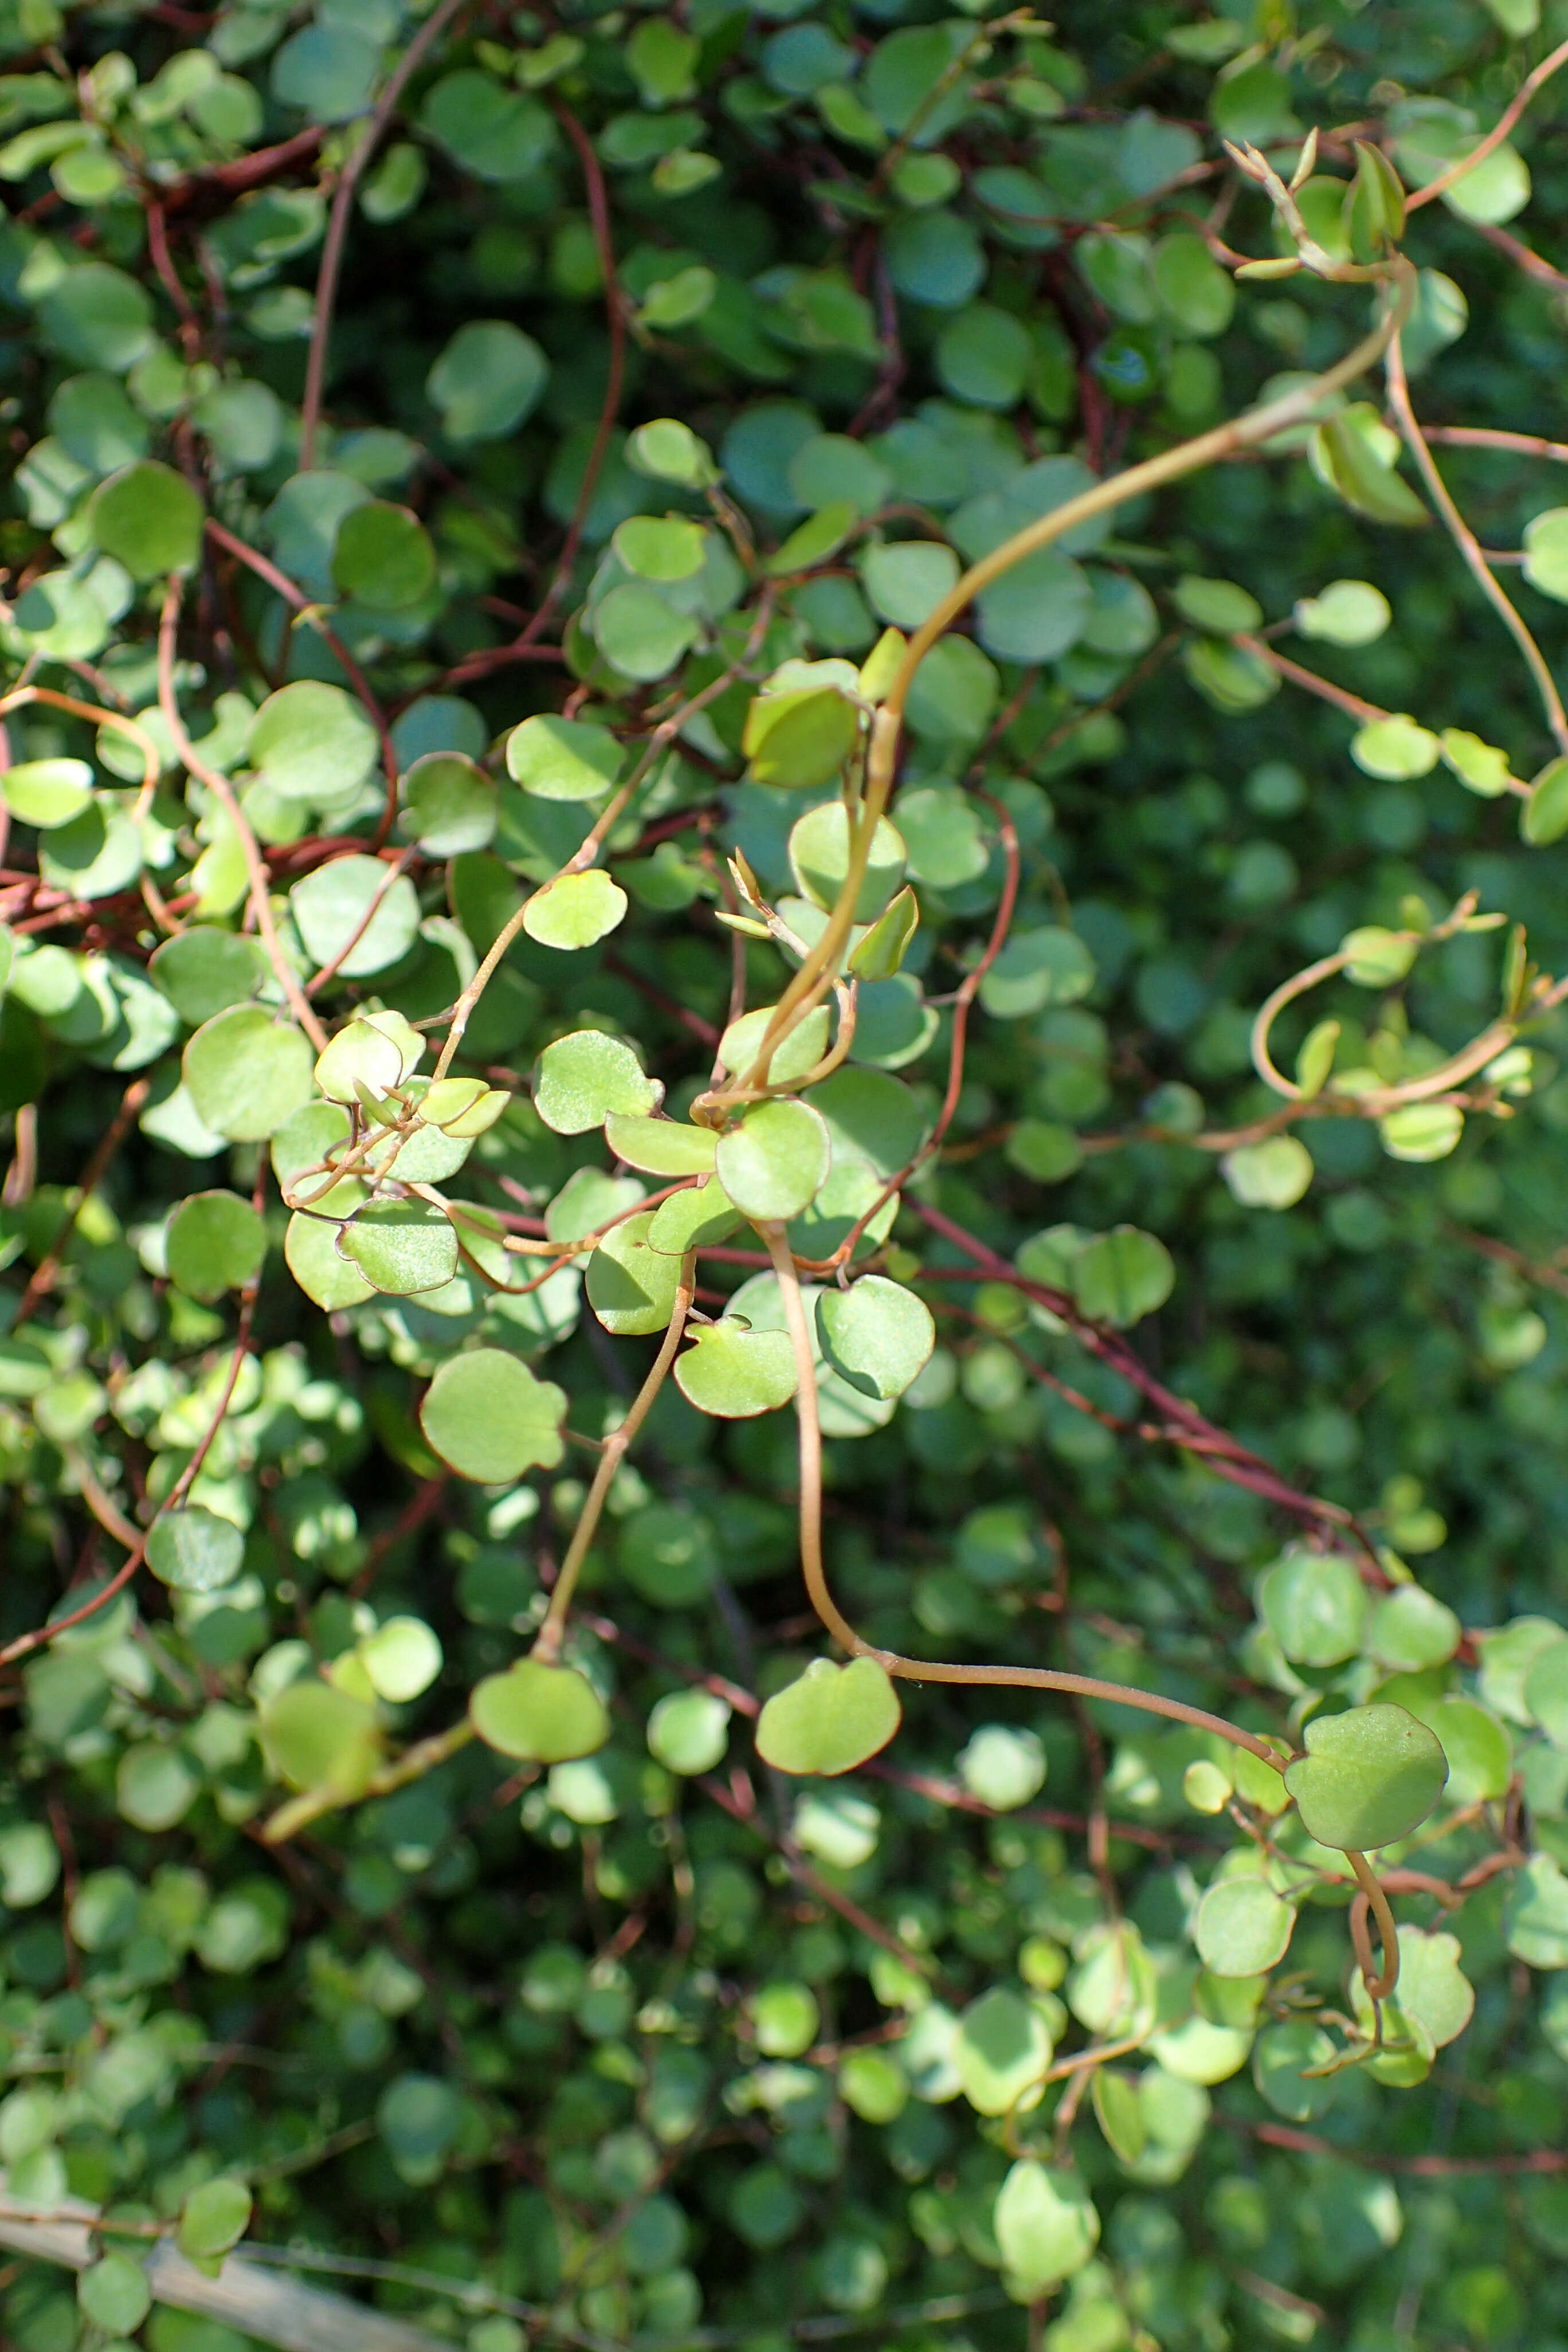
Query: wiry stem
point(547, 1648)
point(921, 1670)
point(1257, 426)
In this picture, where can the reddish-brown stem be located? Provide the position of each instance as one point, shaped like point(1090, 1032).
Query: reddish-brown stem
point(108, 1144)
point(524, 647)
point(338, 224)
point(296, 598)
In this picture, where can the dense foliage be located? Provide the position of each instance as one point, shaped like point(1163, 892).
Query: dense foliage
point(781, 1335)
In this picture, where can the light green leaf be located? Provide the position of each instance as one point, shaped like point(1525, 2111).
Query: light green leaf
point(383, 557)
point(48, 793)
point(356, 913)
point(772, 1165)
point(1544, 816)
point(216, 1243)
point(632, 1286)
point(735, 1373)
point(563, 759)
point(1002, 1766)
point(1122, 1276)
point(540, 1713)
point(1370, 1776)
point(149, 519)
point(689, 1730)
point(876, 1335)
point(317, 1737)
point(800, 738)
point(1046, 2225)
point(660, 1146)
point(214, 2217)
point(575, 910)
point(1421, 1131)
point(1243, 1928)
point(247, 1073)
point(312, 743)
point(1273, 1174)
point(830, 1721)
point(194, 1550)
point(1001, 2051)
point(489, 1419)
point(1315, 1605)
point(584, 1078)
point(402, 1247)
point(1345, 613)
point(487, 381)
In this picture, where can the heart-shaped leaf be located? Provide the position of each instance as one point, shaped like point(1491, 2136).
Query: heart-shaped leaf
point(735, 1373)
point(544, 1715)
point(831, 1719)
point(1370, 1776)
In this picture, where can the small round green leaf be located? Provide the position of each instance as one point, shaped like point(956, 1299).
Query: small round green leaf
point(829, 1720)
point(580, 1079)
point(1315, 1605)
point(575, 910)
point(1122, 1276)
point(247, 1073)
point(490, 1418)
point(356, 913)
point(449, 804)
point(149, 519)
point(1046, 2225)
point(383, 557)
point(1003, 1766)
point(631, 1286)
point(660, 1146)
point(1544, 816)
point(734, 1373)
point(772, 1165)
point(318, 1736)
point(563, 759)
point(46, 792)
point(195, 1550)
point(1241, 1927)
point(542, 1714)
point(879, 1335)
point(216, 1243)
point(688, 1731)
point(820, 858)
point(114, 2294)
point(1370, 1776)
point(489, 378)
point(402, 1247)
point(1269, 1175)
point(312, 743)
point(213, 2218)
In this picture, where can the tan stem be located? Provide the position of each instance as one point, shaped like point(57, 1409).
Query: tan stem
point(1257, 425)
point(1469, 547)
point(412, 1765)
point(547, 1648)
point(1495, 136)
point(921, 1670)
point(1379, 1984)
